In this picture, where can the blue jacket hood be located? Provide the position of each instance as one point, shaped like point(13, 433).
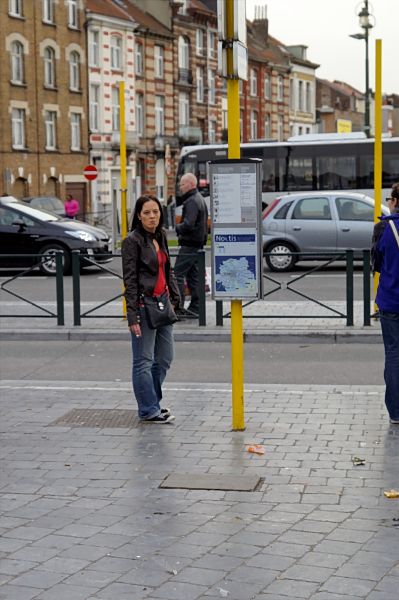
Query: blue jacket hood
point(387, 297)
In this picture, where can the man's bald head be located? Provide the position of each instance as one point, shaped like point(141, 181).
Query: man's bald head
point(188, 182)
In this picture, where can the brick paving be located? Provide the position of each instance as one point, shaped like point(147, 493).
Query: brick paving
point(82, 516)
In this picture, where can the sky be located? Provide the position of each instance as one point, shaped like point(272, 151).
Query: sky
point(325, 25)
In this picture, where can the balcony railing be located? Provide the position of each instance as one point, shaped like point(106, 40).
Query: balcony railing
point(132, 139)
point(185, 76)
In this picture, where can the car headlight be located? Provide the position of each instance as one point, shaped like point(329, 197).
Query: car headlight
point(85, 236)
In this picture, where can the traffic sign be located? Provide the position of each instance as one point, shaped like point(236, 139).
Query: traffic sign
point(90, 172)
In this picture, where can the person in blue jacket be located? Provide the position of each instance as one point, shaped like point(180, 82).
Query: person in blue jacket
point(385, 257)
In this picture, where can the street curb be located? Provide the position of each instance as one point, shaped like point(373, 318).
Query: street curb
point(277, 336)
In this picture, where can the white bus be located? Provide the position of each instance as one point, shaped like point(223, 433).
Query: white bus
point(307, 162)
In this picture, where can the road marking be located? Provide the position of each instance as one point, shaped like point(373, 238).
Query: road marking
point(226, 390)
point(108, 277)
point(328, 276)
point(25, 278)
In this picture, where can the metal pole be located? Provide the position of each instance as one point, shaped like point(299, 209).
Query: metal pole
point(201, 288)
point(349, 288)
point(219, 313)
point(234, 151)
point(367, 104)
point(122, 153)
point(377, 144)
point(366, 287)
point(76, 286)
point(60, 287)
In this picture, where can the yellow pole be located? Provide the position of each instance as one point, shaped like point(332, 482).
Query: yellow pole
point(122, 154)
point(123, 177)
point(377, 142)
point(237, 343)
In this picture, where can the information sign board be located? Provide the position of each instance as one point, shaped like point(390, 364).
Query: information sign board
point(236, 232)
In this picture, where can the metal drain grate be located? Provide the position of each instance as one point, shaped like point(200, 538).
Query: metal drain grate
point(97, 417)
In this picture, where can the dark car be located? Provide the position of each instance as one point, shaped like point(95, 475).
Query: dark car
point(49, 203)
point(25, 230)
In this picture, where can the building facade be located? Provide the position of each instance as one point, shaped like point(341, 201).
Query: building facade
point(339, 107)
point(302, 92)
point(43, 91)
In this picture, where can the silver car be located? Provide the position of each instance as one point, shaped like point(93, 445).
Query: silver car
point(316, 222)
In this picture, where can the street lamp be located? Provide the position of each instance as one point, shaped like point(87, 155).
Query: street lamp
point(365, 24)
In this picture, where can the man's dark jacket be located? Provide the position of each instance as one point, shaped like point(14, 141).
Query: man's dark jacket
point(193, 229)
point(140, 270)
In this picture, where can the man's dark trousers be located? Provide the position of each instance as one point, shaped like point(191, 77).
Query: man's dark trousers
point(186, 268)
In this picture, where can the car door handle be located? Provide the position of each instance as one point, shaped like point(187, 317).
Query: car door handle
point(296, 228)
point(345, 229)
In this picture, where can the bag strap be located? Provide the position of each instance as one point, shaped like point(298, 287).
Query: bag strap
point(395, 232)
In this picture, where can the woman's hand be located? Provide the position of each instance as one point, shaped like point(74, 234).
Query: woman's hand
point(136, 330)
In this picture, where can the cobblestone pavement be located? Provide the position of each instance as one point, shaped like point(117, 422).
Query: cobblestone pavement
point(82, 516)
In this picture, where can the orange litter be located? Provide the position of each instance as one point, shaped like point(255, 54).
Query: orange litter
point(256, 449)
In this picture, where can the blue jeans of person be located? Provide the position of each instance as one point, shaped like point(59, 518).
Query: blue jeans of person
point(186, 268)
point(390, 336)
point(152, 357)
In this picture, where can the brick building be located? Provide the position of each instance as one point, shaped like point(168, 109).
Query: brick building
point(302, 93)
point(337, 102)
point(43, 91)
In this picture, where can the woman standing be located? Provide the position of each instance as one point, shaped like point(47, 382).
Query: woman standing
point(147, 273)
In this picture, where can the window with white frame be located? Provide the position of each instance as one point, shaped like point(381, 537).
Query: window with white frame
point(280, 88)
point(17, 62)
point(73, 18)
point(308, 97)
point(94, 48)
point(139, 110)
point(116, 52)
point(211, 87)
point(184, 53)
point(159, 58)
point(200, 84)
point(74, 71)
point(18, 128)
point(268, 128)
point(160, 178)
point(48, 11)
point(138, 58)
point(199, 38)
point(280, 128)
point(75, 131)
point(212, 131)
point(292, 94)
point(15, 8)
point(254, 124)
point(253, 82)
point(211, 44)
point(94, 107)
point(49, 67)
point(184, 109)
point(115, 109)
point(300, 95)
point(267, 87)
point(159, 115)
point(50, 123)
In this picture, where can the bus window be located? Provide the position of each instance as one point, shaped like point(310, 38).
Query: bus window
point(298, 175)
point(390, 170)
point(268, 176)
point(366, 172)
point(203, 179)
point(336, 173)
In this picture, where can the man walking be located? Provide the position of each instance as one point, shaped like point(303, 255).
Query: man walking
point(192, 233)
point(385, 255)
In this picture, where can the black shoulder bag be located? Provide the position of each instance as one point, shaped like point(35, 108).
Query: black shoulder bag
point(159, 311)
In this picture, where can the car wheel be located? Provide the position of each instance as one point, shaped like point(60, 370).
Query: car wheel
point(48, 262)
point(282, 263)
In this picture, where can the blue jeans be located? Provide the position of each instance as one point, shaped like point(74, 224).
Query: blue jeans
point(152, 357)
point(390, 335)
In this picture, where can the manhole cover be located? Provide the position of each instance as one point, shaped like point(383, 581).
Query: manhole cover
point(97, 417)
point(211, 481)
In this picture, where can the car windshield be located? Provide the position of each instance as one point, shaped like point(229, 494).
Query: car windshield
point(41, 215)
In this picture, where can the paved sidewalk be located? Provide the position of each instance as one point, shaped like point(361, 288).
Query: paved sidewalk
point(83, 516)
point(262, 322)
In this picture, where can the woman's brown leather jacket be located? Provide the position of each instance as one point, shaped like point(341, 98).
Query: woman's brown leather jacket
point(140, 269)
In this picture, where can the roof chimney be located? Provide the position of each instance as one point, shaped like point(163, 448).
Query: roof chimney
point(261, 24)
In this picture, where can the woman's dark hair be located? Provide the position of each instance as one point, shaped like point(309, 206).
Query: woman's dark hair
point(139, 207)
point(395, 191)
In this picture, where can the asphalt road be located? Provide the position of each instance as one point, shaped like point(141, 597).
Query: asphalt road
point(197, 362)
point(326, 283)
